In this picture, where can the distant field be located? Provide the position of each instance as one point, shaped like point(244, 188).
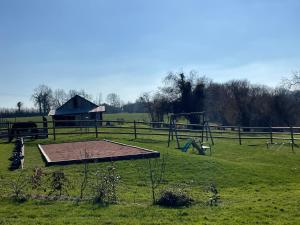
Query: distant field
point(127, 116)
point(106, 116)
point(256, 185)
point(22, 119)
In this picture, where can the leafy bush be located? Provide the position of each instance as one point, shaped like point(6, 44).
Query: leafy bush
point(174, 197)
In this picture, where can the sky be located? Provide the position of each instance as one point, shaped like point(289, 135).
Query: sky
point(129, 46)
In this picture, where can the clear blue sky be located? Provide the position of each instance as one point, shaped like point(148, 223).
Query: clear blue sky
point(128, 46)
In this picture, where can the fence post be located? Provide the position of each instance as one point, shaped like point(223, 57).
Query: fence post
point(45, 126)
point(292, 138)
point(53, 129)
point(240, 140)
point(271, 135)
point(8, 130)
point(134, 127)
point(96, 128)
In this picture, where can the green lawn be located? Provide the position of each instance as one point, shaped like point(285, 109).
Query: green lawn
point(256, 185)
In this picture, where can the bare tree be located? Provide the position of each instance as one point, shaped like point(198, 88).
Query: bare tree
point(157, 105)
point(43, 98)
point(81, 92)
point(147, 101)
point(59, 97)
point(293, 82)
point(98, 100)
point(114, 100)
point(156, 175)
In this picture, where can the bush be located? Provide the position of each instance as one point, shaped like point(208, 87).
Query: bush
point(36, 178)
point(214, 198)
point(105, 186)
point(174, 198)
point(18, 188)
point(1, 187)
point(156, 173)
point(59, 183)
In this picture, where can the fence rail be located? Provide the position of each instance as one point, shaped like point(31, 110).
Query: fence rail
point(140, 128)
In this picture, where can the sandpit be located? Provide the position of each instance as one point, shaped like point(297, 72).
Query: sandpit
point(92, 151)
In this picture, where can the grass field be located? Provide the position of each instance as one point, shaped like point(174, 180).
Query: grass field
point(256, 185)
point(106, 116)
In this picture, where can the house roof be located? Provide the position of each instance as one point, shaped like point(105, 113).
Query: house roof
point(98, 109)
point(77, 105)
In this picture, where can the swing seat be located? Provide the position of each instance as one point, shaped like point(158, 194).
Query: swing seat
point(206, 148)
point(202, 149)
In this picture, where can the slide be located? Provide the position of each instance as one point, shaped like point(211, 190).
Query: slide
point(187, 145)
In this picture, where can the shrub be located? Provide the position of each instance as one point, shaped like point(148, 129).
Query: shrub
point(59, 183)
point(36, 178)
point(85, 172)
point(214, 198)
point(105, 186)
point(156, 174)
point(174, 197)
point(18, 188)
point(1, 187)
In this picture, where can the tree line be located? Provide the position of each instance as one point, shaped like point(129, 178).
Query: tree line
point(44, 99)
point(236, 102)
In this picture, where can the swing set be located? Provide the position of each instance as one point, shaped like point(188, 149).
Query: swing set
point(202, 126)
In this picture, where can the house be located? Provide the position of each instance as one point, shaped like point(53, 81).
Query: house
point(77, 108)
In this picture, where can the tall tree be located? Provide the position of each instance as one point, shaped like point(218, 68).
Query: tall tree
point(186, 94)
point(98, 100)
point(43, 98)
point(157, 105)
point(146, 100)
point(113, 100)
point(285, 107)
point(293, 82)
point(241, 100)
point(59, 97)
point(19, 105)
point(81, 92)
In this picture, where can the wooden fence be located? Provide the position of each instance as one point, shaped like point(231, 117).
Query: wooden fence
point(141, 128)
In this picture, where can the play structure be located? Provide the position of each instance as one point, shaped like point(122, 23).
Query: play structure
point(198, 145)
point(200, 124)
